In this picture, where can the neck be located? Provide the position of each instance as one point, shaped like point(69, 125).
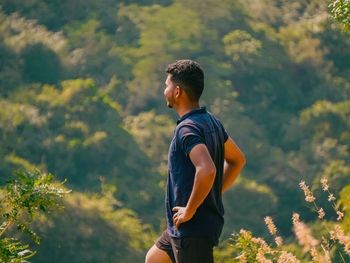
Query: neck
point(183, 109)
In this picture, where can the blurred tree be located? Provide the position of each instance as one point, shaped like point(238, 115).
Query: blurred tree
point(168, 37)
point(10, 77)
point(94, 228)
point(246, 204)
point(345, 204)
point(98, 56)
point(329, 124)
point(241, 46)
point(75, 131)
point(41, 64)
point(153, 133)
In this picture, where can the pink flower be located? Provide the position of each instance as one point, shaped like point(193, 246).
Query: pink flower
point(331, 198)
point(340, 215)
point(271, 226)
point(279, 241)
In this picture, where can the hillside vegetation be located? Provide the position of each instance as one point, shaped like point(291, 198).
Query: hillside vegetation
point(81, 97)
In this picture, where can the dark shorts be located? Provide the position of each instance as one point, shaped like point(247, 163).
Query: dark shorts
point(186, 249)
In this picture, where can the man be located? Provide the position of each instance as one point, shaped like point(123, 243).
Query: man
point(203, 162)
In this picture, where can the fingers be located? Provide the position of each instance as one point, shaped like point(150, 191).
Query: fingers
point(177, 216)
point(174, 217)
point(177, 221)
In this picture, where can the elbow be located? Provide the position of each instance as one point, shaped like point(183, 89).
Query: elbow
point(212, 172)
point(238, 161)
point(242, 160)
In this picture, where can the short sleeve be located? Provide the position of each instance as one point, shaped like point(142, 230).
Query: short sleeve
point(188, 137)
point(224, 132)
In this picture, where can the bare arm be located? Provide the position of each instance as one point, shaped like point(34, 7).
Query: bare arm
point(203, 182)
point(234, 162)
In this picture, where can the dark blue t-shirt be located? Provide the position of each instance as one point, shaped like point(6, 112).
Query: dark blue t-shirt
point(196, 127)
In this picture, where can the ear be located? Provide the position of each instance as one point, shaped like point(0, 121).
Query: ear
point(178, 92)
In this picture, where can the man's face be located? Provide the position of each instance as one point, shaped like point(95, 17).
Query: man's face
point(169, 92)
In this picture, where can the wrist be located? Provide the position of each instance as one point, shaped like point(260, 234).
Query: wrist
point(190, 211)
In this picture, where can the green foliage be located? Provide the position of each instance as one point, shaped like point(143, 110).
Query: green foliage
point(19, 32)
point(76, 121)
point(21, 200)
point(30, 192)
point(344, 201)
point(329, 124)
point(160, 41)
point(10, 76)
point(12, 251)
point(241, 46)
point(93, 228)
point(340, 10)
point(41, 64)
point(153, 133)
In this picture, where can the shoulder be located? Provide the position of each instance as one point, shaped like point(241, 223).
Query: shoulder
point(219, 126)
point(215, 119)
point(187, 127)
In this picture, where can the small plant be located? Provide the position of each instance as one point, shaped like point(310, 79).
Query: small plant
point(22, 198)
point(255, 250)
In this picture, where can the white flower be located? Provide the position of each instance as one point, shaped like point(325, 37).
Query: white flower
point(321, 213)
point(310, 198)
point(324, 184)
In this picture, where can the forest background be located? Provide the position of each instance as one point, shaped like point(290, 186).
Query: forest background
point(81, 97)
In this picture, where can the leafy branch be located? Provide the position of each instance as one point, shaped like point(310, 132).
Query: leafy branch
point(22, 198)
point(340, 10)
